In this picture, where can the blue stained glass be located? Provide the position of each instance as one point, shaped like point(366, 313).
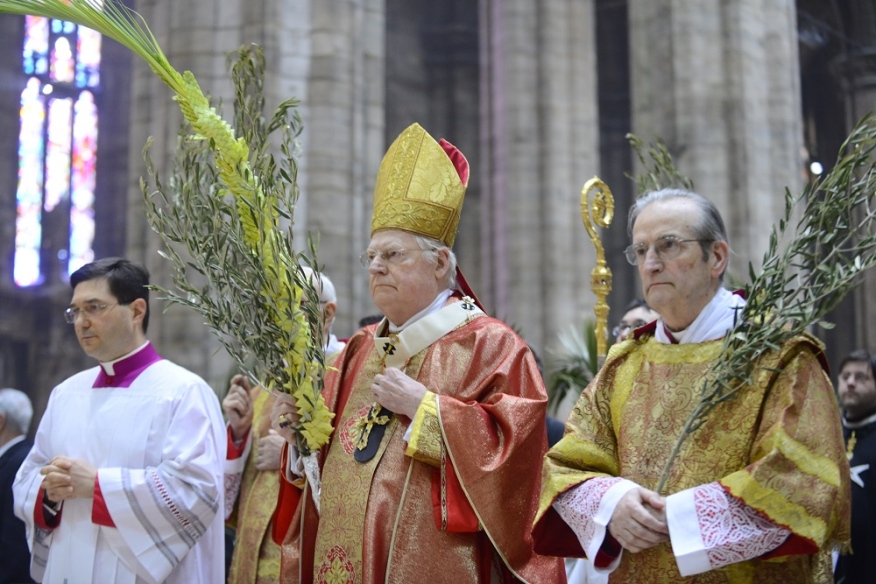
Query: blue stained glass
point(29, 195)
point(57, 142)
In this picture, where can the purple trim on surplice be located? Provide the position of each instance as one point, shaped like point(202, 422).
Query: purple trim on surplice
point(127, 370)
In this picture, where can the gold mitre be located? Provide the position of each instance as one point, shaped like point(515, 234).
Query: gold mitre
point(420, 186)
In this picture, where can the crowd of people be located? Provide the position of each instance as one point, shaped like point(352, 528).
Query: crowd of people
point(439, 468)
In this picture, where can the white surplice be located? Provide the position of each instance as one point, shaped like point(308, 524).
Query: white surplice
point(159, 447)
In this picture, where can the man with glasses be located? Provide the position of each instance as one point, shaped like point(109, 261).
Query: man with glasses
point(638, 314)
point(856, 389)
point(124, 482)
point(439, 411)
point(758, 493)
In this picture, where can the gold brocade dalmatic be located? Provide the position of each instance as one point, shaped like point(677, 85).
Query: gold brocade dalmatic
point(256, 558)
point(377, 522)
point(777, 447)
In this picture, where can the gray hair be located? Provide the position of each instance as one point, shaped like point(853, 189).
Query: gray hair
point(710, 228)
point(432, 247)
point(16, 405)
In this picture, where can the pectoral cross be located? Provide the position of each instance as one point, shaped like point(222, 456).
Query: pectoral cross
point(374, 417)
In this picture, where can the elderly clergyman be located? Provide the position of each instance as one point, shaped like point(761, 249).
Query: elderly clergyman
point(431, 473)
point(759, 493)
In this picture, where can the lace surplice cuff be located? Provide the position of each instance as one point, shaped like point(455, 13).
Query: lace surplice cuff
point(709, 528)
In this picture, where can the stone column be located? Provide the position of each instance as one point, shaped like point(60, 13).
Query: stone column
point(857, 69)
point(540, 144)
point(719, 83)
point(329, 54)
point(345, 143)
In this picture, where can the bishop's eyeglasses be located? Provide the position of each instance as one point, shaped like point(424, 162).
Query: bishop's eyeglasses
point(666, 248)
point(392, 256)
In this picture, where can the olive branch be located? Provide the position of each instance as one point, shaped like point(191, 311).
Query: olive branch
point(224, 277)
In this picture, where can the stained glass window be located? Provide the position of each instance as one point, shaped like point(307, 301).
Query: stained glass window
point(57, 150)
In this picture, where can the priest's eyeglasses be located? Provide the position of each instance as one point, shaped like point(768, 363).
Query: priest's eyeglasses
point(90, 310)
point(666, 248)
point(390, 256)
point(624, 327)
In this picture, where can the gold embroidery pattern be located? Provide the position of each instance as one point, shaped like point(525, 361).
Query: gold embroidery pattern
point(426, 441)
point(363, 425)
point(336, 568)
point(790, 470)
point(443, 490)
point(418, 188)
point(348, 434)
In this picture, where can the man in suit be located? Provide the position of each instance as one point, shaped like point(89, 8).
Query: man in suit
point(15, 414)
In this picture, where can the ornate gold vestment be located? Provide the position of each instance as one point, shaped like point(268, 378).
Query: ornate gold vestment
point(777, 447)
point(256, 558)
point(485, 420)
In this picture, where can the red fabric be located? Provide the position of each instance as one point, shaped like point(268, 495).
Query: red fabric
point(100, 515)
point(39, 515)
point(463, 286)
point(608, 551)
point(233, 451)
point(458, 160)
point(793, 546)
point(553, 537)
point(461, 517)
point(287, 502)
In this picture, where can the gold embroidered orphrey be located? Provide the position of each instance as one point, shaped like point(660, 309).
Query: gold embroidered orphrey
point(366, 423)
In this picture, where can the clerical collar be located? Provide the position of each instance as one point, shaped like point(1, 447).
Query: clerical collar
point(436, 305)
point(123, 371)
point(859, 423)
point(713, 321)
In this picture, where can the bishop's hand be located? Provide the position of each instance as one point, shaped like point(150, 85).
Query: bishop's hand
point(284, 418)
point(396, 391)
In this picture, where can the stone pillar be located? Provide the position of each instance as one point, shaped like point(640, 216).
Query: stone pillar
point(345, 143)
point(540, 144)
point(719, 83)
point(329, 54)
point(857, 69)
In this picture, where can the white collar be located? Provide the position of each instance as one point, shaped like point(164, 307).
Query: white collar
point(713, 321)
point(108, 366)
point(435, 306)
point(860, 423)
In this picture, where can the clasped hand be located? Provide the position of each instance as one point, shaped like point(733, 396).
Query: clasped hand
point(68, 478)
point(639, 520)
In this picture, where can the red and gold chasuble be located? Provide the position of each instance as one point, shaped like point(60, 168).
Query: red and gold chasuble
point(777, 447)
point(472, 459)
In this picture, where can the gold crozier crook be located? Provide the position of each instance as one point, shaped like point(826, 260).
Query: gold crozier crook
point(600, 212)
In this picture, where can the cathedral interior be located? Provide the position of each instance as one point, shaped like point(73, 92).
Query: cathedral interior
point(750, 98)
